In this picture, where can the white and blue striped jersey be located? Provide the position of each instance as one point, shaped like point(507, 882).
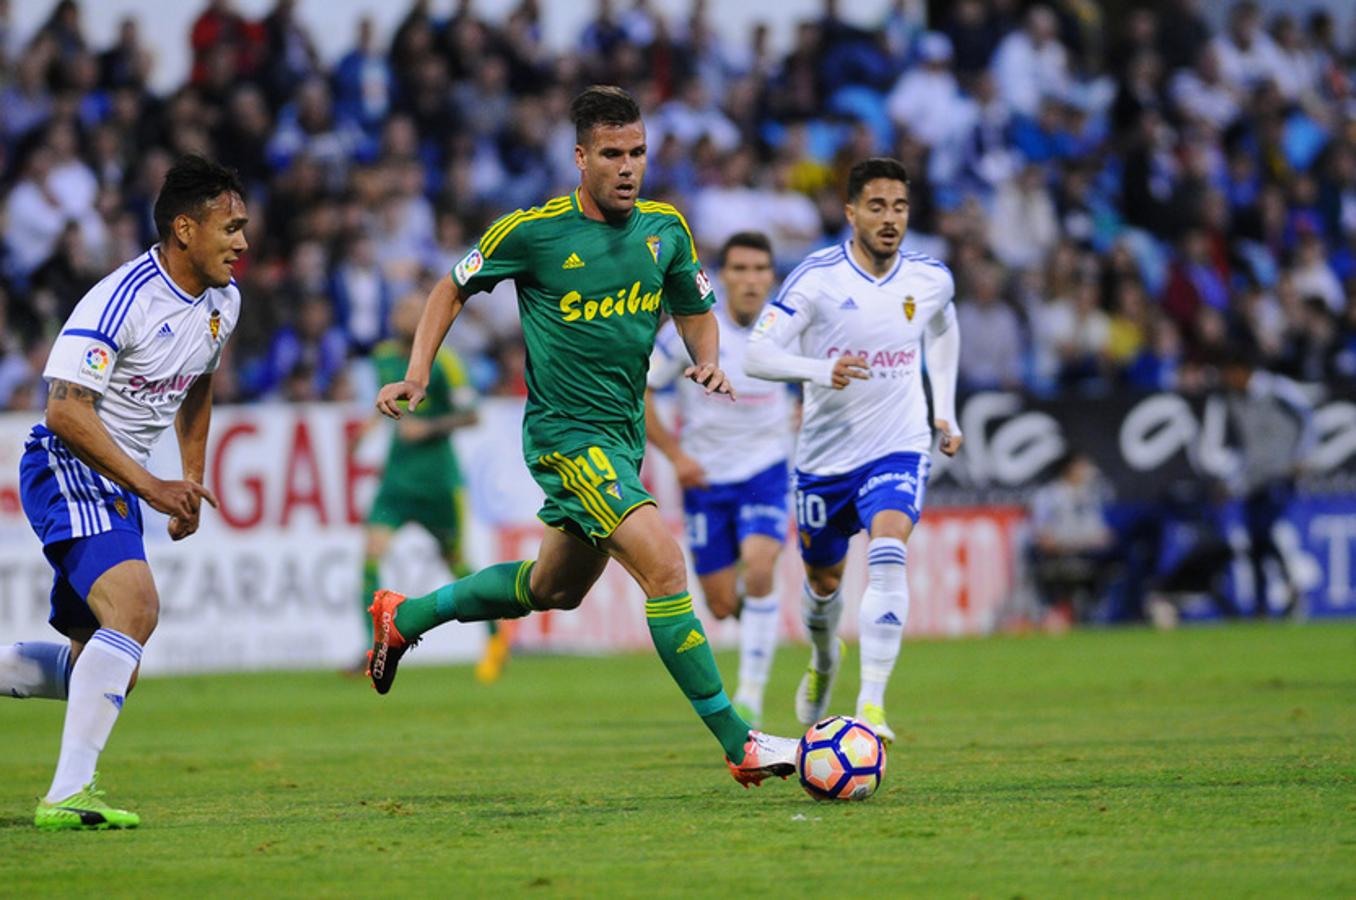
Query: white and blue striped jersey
point(138, 340)
point(830, 307)
point(732, 441)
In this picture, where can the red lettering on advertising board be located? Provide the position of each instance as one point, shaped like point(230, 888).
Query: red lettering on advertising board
point(355, 471)
point(303, 466)
point(251, 486)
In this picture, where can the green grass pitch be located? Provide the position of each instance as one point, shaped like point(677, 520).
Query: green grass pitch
point(1215, 762)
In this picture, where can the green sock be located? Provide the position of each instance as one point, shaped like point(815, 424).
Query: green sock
point(678, 636)
point(371, 574)
point(495, 592)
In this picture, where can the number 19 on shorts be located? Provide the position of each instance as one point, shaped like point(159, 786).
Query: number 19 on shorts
point(810, 510)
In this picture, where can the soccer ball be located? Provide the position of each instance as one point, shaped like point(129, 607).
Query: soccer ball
point(840, 759)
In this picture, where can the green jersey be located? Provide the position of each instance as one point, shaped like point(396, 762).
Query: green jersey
point(425, 467)
point(589, 298)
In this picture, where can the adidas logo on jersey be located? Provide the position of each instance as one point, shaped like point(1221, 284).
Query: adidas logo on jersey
point(889, 619)
point(694, 640)
point(849, 303)
point(165, 330)
point(573, 262)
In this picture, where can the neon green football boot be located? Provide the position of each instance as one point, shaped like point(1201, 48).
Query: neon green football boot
point(83, 810)
point(816, 688)
point(874, 716)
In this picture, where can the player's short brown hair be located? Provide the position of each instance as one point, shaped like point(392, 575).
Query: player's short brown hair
point(192, 182)
point(754, 240)
point(601, 104)
point(869, 170)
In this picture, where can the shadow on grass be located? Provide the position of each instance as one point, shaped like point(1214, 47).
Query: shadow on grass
point(16, 822)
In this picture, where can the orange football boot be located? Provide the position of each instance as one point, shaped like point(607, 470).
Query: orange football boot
point(388, 644)
point(765, 755)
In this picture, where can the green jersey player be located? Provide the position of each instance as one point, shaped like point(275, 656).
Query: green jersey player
point(421, 482)
point(593, 270)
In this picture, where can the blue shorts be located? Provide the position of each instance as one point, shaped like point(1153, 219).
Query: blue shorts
point(87, 524)
point(719, 517)
point(830, 509)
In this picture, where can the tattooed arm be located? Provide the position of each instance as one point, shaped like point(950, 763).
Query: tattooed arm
point(71, 417)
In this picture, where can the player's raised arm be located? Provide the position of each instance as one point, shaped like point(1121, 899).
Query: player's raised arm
point(440, 311)
point(769, 356)
point(941, 345)
point(502, 252)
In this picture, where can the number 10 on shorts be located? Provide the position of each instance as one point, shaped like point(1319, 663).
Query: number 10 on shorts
point(810, 510)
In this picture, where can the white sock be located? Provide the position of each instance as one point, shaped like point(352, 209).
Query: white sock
point(98, 686)
point(885, 609)
point(757, 645)
point(821, 615)
point(35, 669)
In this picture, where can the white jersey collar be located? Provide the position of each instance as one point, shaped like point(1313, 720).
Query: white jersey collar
point(155, 260)
point(884, 279)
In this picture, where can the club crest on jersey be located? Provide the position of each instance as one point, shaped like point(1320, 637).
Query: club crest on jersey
point(656, 245)
point(909, 307)
point(120, 507)
point(214, 324)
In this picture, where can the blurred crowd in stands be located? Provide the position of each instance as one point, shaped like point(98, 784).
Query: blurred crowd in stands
point(1118, 201)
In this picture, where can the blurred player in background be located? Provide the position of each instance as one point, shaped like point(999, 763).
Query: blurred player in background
point(1273, 422)
point(731, 461)
point(421, 481)
point(135, 357)
point(855, 321)
point(592, 270)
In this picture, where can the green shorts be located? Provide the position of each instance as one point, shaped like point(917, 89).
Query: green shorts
point(441, 514)
point(589, 489)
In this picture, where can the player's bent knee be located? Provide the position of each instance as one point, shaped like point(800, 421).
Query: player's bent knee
point(892, 524)
point(133, 681)
point(722, 607)
point(824, 583)
point(758, 582)
point(668, 576)
point(565, 598)
point(143, 616)
point(135, 617)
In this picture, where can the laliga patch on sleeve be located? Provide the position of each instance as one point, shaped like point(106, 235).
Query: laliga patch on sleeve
point(94, 363)
point(703, 284)
point(472, 263)
point(765, 321)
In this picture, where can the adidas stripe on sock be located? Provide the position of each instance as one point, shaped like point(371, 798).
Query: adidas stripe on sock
point(884, 612)
point(99, 682)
